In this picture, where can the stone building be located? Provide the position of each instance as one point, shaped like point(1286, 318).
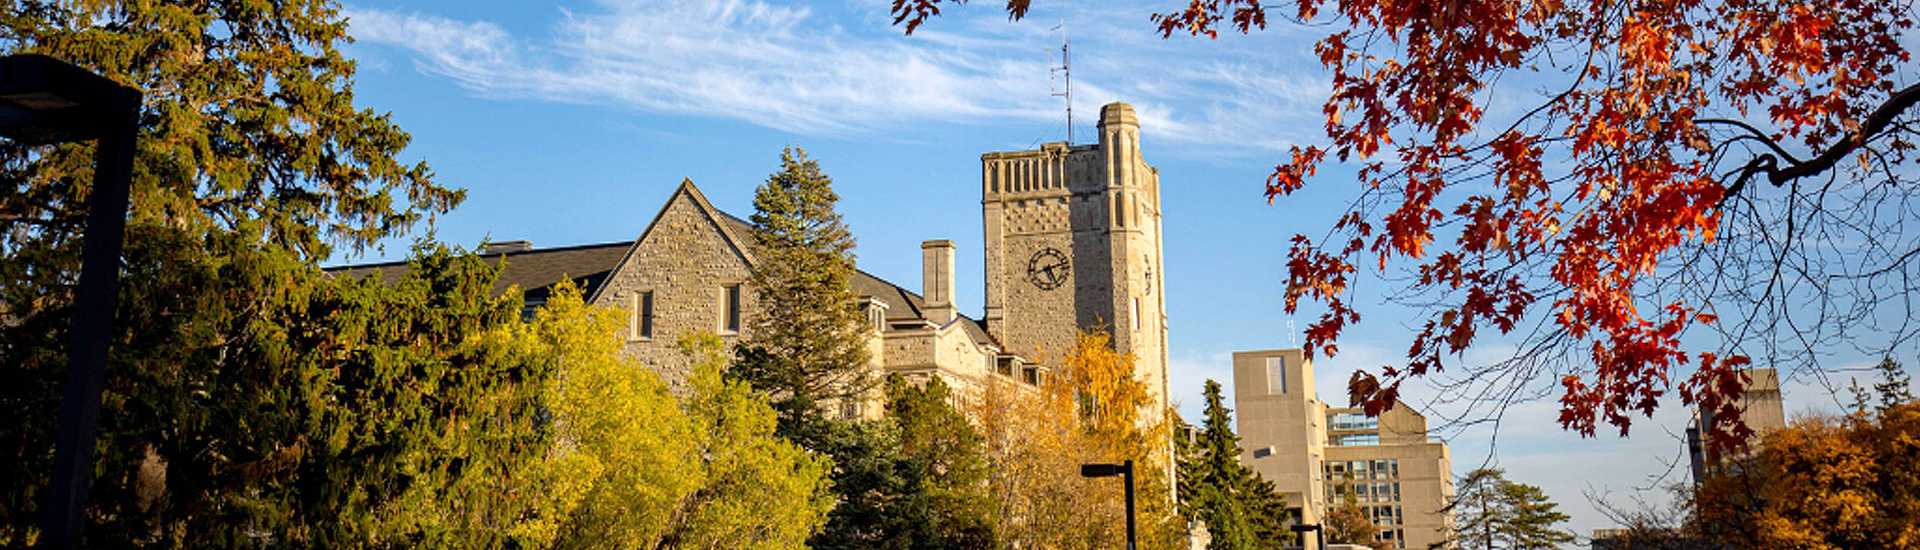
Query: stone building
point(1315, 454)
point(1072, 242)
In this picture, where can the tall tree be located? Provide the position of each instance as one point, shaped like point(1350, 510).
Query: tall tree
point(1089, 410)
point(809, 344)
point(1492, 512)
point(1241, 510)
point(1715, 166)
point(251, 399)
point(1821, 482)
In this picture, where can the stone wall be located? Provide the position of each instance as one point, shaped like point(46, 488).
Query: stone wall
point(684, 259)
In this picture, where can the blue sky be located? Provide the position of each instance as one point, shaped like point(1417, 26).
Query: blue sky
point(570, 124)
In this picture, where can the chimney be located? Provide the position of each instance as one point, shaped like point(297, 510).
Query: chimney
point(936, 280)
point(505, 247)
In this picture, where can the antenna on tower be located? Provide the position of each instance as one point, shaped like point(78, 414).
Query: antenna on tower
point(1065, 72)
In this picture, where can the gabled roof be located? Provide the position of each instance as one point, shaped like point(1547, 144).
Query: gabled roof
point(536, 271)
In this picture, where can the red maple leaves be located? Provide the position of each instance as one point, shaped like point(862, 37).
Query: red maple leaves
point(1490, 226)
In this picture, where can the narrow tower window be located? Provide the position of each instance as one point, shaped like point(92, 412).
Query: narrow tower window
point(1276, 375)
point(640, 323)
point(731, 311)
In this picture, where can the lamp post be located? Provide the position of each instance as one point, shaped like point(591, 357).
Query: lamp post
point(44, 100)
point(1125, 471)
point(1319, 535)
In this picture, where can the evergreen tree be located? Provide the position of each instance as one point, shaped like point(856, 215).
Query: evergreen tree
point(258, 401)
point(1492, 512)
point(808, 346)
point(1894, 386)
point(251, 399)
point(1240, 509)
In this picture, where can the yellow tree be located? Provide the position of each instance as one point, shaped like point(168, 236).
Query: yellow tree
point(634, 467)
point(1823, 482)
point(1091, 410)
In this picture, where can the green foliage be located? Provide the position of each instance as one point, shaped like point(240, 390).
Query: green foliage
point(815, 348)
point(1894, 387)
point(914, 479)
point(1241, 510)
point(1492, 512)
point(253, 400)
point(249, 125)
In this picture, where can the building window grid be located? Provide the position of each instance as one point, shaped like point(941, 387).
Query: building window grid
point(1354, 421)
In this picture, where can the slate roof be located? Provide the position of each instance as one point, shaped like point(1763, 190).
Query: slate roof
point(536, 271)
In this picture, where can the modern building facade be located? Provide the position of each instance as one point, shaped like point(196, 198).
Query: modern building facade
point(1072, 243)
point(1761, 408)
point(1317, 455)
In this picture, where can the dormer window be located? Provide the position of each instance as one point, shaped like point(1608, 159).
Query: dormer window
point(876, 311)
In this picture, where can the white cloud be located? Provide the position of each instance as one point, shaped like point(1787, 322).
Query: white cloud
point(788, 68)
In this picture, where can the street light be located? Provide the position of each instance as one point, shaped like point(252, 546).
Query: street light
point(1319, 535)
point(1124, 470)
point(44, 100)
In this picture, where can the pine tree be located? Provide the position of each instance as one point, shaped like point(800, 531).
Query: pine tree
point(1492, 512)
point(808, 346)
point(1240, 509)
point(1894, 384)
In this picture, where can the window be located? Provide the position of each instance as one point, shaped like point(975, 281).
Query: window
point(850, 409)
point(1382, 492)
point(1351, 440)
point(876, 314)
point(731, 311)
point(1380, 469)
point(1033, 376)
point(1004, 365)
point(1263, 452)
point(1136, 313)
point(1276, 375)
point(640, 323)
point(1354, 421)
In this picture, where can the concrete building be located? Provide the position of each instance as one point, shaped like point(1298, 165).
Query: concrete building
point(1072, 242)
point(1761, 408)
point(1316, 455)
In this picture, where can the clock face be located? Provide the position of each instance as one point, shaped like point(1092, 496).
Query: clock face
point(1048, 268)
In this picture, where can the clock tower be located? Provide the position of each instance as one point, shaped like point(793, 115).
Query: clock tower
point(1072, 243)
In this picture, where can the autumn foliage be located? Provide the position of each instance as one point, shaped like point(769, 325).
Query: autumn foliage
point(1823, 482)
point(1611, 213)
point(1091, 409)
